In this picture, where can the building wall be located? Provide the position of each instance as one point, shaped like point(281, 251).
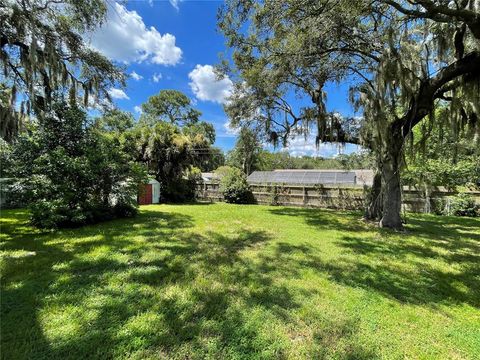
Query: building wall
point(155, 193)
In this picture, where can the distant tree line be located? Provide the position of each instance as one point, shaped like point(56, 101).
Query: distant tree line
point(249, 155)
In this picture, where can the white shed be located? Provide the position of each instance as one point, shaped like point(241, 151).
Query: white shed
point(149, 193)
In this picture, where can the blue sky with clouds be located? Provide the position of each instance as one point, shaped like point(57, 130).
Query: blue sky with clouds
point(174, 45)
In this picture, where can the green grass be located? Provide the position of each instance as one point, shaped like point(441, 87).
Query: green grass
point(223, 281)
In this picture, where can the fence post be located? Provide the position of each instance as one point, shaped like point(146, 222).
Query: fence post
point(304, 195)
point(427, 205)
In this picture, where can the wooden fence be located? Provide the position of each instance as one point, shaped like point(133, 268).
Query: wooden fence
point(327, 196)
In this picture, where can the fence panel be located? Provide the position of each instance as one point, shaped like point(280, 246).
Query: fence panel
point(333, 197)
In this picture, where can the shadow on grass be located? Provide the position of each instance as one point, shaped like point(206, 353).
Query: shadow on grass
point(150, 287)
point(436, 261)
point(325, 218)
point(29, 281)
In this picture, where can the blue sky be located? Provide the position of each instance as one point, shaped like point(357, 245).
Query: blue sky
point(173, 45)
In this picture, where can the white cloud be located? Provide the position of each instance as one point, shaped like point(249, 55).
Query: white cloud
point(301, 146)
point(125, 38)
point(117, 94)
point(136, 76)
point(138, 109)
point(206, 86)
point(95, 104)
point(157, 77)
point(230, 131)
point(175, 3)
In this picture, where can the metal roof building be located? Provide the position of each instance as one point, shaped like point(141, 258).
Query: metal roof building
point(209, 176)
point(312, 177)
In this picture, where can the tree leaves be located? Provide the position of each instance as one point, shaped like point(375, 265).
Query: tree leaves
point(43, 52)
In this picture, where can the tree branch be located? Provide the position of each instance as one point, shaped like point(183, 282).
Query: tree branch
point(422, 103)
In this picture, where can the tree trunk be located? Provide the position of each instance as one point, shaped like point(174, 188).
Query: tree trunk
point(392, 195)
point(374, 201)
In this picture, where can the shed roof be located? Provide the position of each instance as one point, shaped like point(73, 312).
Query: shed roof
point(208, 176)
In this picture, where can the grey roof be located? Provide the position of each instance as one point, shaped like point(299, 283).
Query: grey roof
point(209, 176)
point(309, 177)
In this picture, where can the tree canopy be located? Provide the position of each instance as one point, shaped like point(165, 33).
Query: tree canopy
point(174, 143)
point(245, 154)
point(43, 52)
point(171, 106)
point(402, 59)
point(70, 172)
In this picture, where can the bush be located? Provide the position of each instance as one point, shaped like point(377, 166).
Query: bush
point(179, 191)
point(438, 206)
point(13, 194)
point(52, 214)
point(182, 189)
point(48, 214)
point(75, 174)
point(234, 186)
point(462, 205)
point(123, 210)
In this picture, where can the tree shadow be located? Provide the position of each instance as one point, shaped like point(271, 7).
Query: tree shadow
point(31, 278)
point(437, 261)
point(322, 218)
point(150, 287)
point(445, 228)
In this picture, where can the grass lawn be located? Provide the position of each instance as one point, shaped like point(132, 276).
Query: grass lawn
point(223, 281)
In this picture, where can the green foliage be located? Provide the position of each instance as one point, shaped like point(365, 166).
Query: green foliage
point(268, 161)
point(234, 186)
point(462, 204)
point(171, 140)
point(223, 170)
point(44, 53)
point(183, 189)
point(13, 194)
point(246, 151)
point(200, 128)
point(211, 159)
point(168, 154)
point(442, 156)
point(441, 172)
point(115, 121)
point(73, 173)
point(360, 160)
point(281, 49)
point(402, 59)
point(170, 106)
point(5, 159)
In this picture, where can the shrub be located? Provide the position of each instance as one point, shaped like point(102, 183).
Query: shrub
point(182, 189)
point(223, 171)
point(13, 194)
point(74, 173)
point(462, 205)
point(234, 186)
point(123, 210)
point(438, 206)
point(193, 177)
point(48, 214)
